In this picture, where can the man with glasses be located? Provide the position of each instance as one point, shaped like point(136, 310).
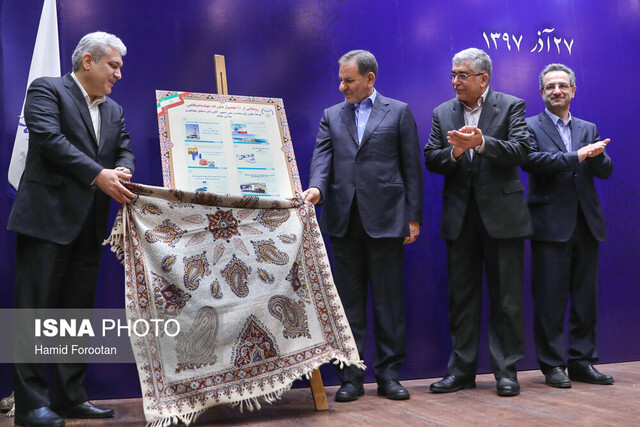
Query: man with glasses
point(477, 141)
point(567, 227)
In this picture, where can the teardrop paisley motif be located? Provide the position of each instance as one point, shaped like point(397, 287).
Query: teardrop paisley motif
point(236, 273)
point(167, 232)
point(196, 347)
point(218, 250)
point(195, 268)
point(291, 314)
point(239, 244)
point(272, 218)
point(266, 251)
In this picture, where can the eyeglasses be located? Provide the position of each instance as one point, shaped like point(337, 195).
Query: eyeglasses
point(463, 76)
point(562, 86)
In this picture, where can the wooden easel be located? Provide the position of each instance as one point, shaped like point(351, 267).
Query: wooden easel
point(317, 387)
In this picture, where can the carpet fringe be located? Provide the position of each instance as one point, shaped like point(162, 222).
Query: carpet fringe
point(253, 403)
point(186, 419)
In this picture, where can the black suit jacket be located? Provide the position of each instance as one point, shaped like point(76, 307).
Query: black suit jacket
point(384, 171)
point(558, 182)
point(492, 176)
point(55, 192)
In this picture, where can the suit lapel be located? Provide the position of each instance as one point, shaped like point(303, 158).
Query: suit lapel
point(490, 111)
point(378, 111)
point(576, 134)
point(105, 117)
point(552, 131)
point(78, 99)
point(349, 119)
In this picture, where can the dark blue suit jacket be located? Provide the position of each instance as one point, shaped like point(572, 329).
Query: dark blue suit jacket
point(384, 172)
point(558, 182)
point(492, 176)
point(55, 193)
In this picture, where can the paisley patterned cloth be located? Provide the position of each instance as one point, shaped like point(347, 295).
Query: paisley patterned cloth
point(248, 281)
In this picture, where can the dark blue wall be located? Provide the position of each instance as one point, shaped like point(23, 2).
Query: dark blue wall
point(288, 49)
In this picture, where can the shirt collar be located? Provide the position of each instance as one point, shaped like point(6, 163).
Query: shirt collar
point(481, 101)
point(99, 100)
point(557, 119)
point(372, 97)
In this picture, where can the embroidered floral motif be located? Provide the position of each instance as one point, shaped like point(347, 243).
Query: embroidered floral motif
point(265, 276)
point(255, 344)
point(272, 218)
point(169, 299)
point(167, 232)
point(222, 225)
point(293, 277)
point(195, 268)
point(167, 262)
point(291, 314)
point(150, 209)
point(195, 347)
point(216, 292)
point(236, 273)
point(287, 238)
point(266, 251)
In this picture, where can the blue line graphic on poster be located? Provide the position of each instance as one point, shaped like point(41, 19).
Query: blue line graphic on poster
point(503, 39)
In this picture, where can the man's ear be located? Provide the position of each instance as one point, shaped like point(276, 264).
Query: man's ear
point(87, 61)
point(371, 78)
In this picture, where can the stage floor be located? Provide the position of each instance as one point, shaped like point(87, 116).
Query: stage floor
point(538, 404)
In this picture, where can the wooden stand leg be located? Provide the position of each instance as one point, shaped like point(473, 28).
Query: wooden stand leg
point(317, 390)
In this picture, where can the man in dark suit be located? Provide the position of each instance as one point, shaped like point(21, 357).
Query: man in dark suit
point(477, 141)
point(566, 153)
point(366, 172)
point(78, 152)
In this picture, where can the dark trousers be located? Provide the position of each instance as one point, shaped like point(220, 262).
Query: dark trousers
point(50, 275)
point(503, 265)
point(358, 258)
point(559, 271)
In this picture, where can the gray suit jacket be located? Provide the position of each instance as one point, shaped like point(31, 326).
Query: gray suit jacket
point(55, 193)
point(558, 182)
point(384, 171)
point(492, 176)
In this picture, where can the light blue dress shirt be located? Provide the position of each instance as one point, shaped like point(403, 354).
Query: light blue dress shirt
point(362, 112)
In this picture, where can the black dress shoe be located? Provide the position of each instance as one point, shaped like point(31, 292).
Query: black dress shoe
point(392, 389)
point(451, 383)
point(508, 387)
point(349, 392)
point(589, 374)
point(84, 410)
point(557, 378)
point(41, 417)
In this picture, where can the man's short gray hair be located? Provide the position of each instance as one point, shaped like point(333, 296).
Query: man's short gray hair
point(364, 59)
point(97, 45)
point(558, 67)
point(478, 60)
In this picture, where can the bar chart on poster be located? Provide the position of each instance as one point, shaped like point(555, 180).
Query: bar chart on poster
point(226, 144)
